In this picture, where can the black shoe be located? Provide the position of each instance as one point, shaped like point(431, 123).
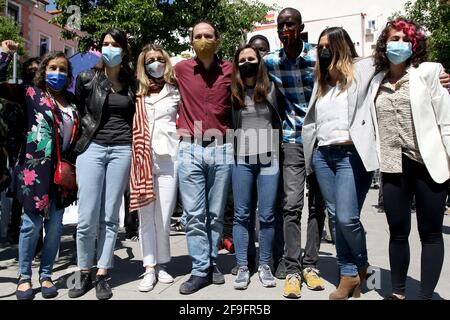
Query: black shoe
point(82, 285)
point(280, 272)
point(48, 293)
point(217, 276)
point(132, 236)
point(102, 288)
point(393, 297)
point(194, 283)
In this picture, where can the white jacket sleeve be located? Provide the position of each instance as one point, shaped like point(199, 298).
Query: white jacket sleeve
point(440, 100)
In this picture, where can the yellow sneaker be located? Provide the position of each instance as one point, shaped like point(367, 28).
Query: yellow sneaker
point(292, 286)
point(313, 279)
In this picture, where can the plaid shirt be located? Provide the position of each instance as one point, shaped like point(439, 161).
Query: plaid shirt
point(295, 80)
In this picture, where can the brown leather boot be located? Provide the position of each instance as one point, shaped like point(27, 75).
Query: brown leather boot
point(348, 287)
point(362, 277)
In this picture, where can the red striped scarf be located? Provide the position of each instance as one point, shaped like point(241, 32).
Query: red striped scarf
point(141, 181)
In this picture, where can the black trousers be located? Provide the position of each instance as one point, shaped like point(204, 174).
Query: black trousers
point(398, 192)
point(131, 218)
point(294, 177)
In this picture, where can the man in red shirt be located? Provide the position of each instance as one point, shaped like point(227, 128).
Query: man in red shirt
point(205, 158)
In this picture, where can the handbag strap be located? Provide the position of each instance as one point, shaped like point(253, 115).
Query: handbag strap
point(57, 124)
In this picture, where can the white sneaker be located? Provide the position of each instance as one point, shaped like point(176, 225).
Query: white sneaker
point(148, 282)
point(163, 276)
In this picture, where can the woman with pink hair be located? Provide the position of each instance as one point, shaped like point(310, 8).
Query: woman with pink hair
point(413, 135)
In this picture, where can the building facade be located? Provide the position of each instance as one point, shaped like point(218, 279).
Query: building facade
point(362, 19)
point(40, 36)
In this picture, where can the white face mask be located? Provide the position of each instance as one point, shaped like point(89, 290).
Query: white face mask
point(155, 69)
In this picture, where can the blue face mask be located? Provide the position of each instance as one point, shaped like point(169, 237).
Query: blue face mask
point(398, 52)
point(112, 56)
point(56, 81)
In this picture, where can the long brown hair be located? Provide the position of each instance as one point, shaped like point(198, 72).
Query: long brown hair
point(142, 77)
point(262, 85)
point(343, 51)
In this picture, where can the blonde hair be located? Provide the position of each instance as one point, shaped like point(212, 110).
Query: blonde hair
point(141, 74)
point(343, 51)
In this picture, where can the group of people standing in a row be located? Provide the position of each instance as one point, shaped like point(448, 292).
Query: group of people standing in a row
point(164, 128)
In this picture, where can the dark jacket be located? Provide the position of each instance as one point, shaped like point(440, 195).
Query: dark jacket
point(33, 174)
point(91, 91)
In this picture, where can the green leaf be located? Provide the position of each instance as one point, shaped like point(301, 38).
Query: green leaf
point(42, 145)
point(31, 137)
point(48, 149)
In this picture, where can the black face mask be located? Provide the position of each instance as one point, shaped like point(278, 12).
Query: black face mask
point(325, 59)
point(248, 69)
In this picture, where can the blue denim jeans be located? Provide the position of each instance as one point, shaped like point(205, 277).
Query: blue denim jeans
point(243, 180)
point(29, 235)
point(344, 183)
point(103, 173)
point(204, 175)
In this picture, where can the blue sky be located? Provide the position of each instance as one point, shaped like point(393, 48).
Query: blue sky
point(51, 6)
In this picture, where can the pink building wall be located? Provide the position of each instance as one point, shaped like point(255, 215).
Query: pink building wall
point(42, 27)
point(34, 23)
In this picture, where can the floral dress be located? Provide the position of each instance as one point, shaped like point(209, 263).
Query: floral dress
point(34, 171)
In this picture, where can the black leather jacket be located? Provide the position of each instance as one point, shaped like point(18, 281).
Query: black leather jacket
point(91, 90)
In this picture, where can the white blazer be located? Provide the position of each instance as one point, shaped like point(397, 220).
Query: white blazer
point(161, 116)
point(430, 106)
point(359, 118)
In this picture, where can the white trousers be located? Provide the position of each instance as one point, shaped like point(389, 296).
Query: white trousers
point(154, 219)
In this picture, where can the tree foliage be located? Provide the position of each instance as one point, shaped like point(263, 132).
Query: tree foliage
point(163, 21)
point(434, 16)
point(9, 30)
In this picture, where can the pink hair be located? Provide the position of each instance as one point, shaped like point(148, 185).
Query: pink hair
point(414, 34)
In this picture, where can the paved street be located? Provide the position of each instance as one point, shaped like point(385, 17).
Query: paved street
point(128, 267)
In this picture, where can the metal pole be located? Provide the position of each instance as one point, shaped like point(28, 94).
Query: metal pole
point(15, 67)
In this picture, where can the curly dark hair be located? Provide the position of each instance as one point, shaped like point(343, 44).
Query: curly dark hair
point(40, 77)
point(416, 35)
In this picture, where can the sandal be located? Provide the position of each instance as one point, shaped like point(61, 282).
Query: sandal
point(27, 294)
point(48, 292)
